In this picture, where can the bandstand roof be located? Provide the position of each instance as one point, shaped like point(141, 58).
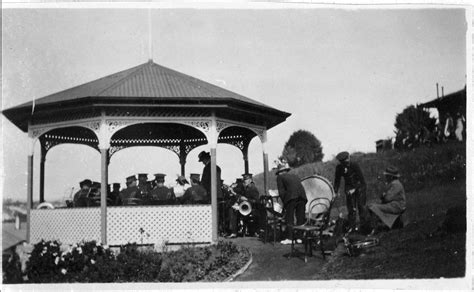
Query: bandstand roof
point(148, 89)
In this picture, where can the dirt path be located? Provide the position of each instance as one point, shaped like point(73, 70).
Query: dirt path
point(271, 263)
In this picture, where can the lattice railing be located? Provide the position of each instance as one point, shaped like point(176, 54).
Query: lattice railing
point(66, 225)
point(142, 224)
point(159, 224)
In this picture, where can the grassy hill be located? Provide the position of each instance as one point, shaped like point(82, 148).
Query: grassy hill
point(431, 175)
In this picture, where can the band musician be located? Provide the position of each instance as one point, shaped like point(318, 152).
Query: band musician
point(129, 196)
point(81, 197)
point(161, 195)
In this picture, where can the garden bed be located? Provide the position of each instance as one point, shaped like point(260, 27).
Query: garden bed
point(91, 262)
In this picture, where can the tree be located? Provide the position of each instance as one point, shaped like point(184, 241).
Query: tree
point(411, 125)
point(301, 148)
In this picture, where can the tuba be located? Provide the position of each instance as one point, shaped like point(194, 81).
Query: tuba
point(243, 206)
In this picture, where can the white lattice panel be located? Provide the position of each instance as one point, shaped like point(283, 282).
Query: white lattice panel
point(67, 225)
point(173, 224)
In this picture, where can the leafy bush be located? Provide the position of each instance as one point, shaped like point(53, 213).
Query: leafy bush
point(11, 268)
point(301, 148)
point(90, 262)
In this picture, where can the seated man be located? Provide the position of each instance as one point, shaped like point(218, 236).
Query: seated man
point(251, 193)
point(161, 195)
point(113, 198)
point(196, 194)
point(81, 197)
point(94, 195)
point(393, 201)
point(247, 189)
point(181, 186)
point(129, 196)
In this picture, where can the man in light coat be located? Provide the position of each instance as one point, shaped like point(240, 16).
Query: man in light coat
point(393, 201)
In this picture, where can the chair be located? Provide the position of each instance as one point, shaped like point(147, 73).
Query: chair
point(317, 221)
point(272, 218)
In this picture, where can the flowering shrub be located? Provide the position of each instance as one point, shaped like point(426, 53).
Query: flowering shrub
point(52, 262)
point(91, 262)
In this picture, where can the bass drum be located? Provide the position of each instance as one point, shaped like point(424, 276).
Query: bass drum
point(318, 187)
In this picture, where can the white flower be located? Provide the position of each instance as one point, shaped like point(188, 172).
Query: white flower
point(97, 244)
point(63, 271)
point(52, 244)
point(55, 254)
point(79, 250)
point(56, 261)
point(92, 261)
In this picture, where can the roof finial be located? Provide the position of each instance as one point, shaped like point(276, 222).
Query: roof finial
point(150, 41)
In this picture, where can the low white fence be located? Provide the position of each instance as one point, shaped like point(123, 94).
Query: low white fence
point(176, 224)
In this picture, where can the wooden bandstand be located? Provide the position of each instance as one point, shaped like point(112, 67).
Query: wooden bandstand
point(147, 105)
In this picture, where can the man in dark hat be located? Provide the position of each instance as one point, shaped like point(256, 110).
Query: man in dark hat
point(293, 196)
point(129, 196)
point(81, 197)
point(354, 187)
point(161, 195)
point(393, 202)
point(143, 186)
point(205, 158)
point(196, 194)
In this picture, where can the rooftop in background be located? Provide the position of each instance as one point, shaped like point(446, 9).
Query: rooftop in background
point(453, 103)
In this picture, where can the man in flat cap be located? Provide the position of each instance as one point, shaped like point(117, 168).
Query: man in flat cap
point(205, 158)
point(129, 196)
point(293, 196)
point(354, 186)
point(81, 197)
point(161, 195)
point(196, 194)
point(393, 202)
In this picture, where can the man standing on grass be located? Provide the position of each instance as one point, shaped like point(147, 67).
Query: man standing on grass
point(293, 196)
point(355, 188)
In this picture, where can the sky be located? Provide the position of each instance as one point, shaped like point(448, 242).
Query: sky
point(343, 74)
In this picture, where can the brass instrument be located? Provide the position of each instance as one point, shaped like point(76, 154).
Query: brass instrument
point(241, 204)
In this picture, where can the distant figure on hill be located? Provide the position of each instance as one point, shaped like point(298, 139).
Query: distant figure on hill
point(448, 127)
point(293, 196)
point(459, 126)
point(393, 201)
point(354, 187)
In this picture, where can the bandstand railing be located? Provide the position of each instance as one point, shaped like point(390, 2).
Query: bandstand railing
point(158, 225)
